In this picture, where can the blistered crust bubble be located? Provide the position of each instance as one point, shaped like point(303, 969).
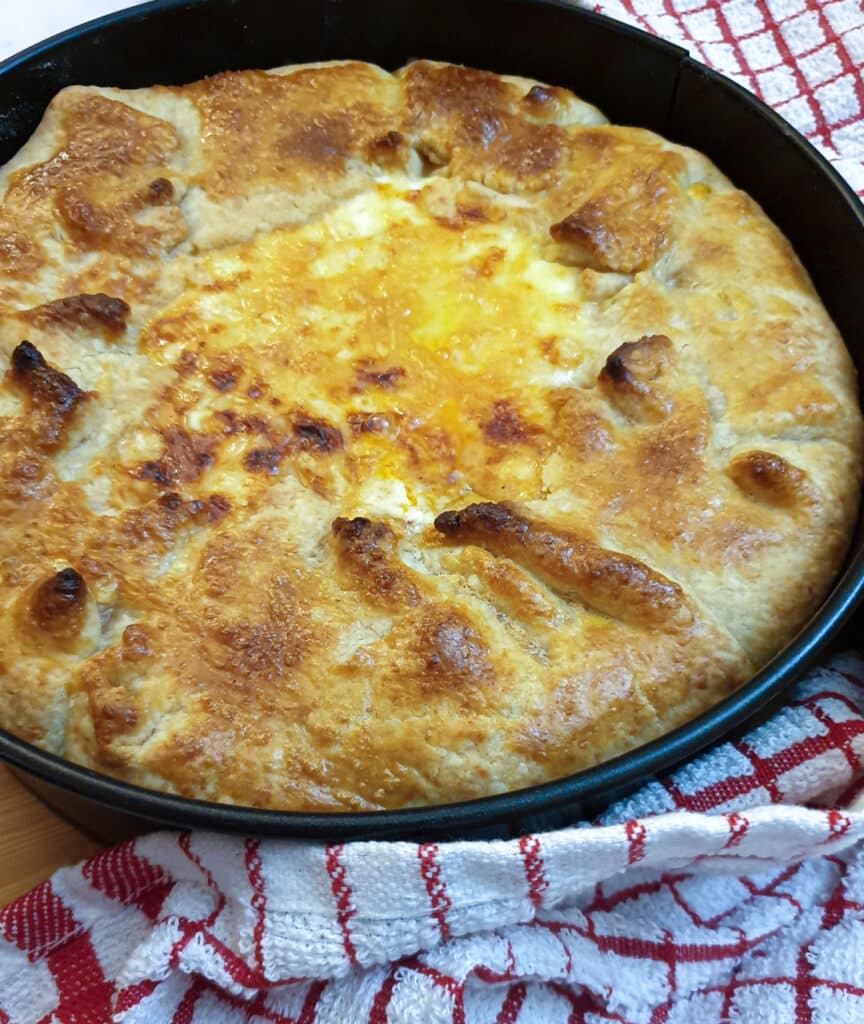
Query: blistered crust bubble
point(376, 440)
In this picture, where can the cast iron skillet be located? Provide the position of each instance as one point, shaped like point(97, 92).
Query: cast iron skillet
point(635, 79)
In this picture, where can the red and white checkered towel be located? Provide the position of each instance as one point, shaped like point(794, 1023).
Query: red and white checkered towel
point(732, 891)
point(803, 57)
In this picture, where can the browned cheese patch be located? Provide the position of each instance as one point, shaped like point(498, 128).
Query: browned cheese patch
point(184, 459)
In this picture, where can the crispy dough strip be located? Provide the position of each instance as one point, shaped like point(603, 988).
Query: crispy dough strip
point(607, 581)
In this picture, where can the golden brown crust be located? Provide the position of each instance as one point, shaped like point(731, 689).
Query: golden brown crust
point(278, 324)
point(58, 604)
point(262, 129)
point(366, 553)
point(625, 227)
point(98, 314)
point(100, 177)
point(629, 378)
point(53, 397)
point(769, 477)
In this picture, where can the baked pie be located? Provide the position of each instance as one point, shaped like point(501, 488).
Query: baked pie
point(377, 440)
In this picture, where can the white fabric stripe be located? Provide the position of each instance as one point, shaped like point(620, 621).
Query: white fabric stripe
point(209, 1009)
point(417, 998)
point(161, 1005)
point(27, 990)
point(351, 998)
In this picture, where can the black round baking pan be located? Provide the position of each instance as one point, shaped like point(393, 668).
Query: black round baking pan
point(635, 79)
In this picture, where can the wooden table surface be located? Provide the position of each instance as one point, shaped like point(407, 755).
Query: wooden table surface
point(34, 841)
